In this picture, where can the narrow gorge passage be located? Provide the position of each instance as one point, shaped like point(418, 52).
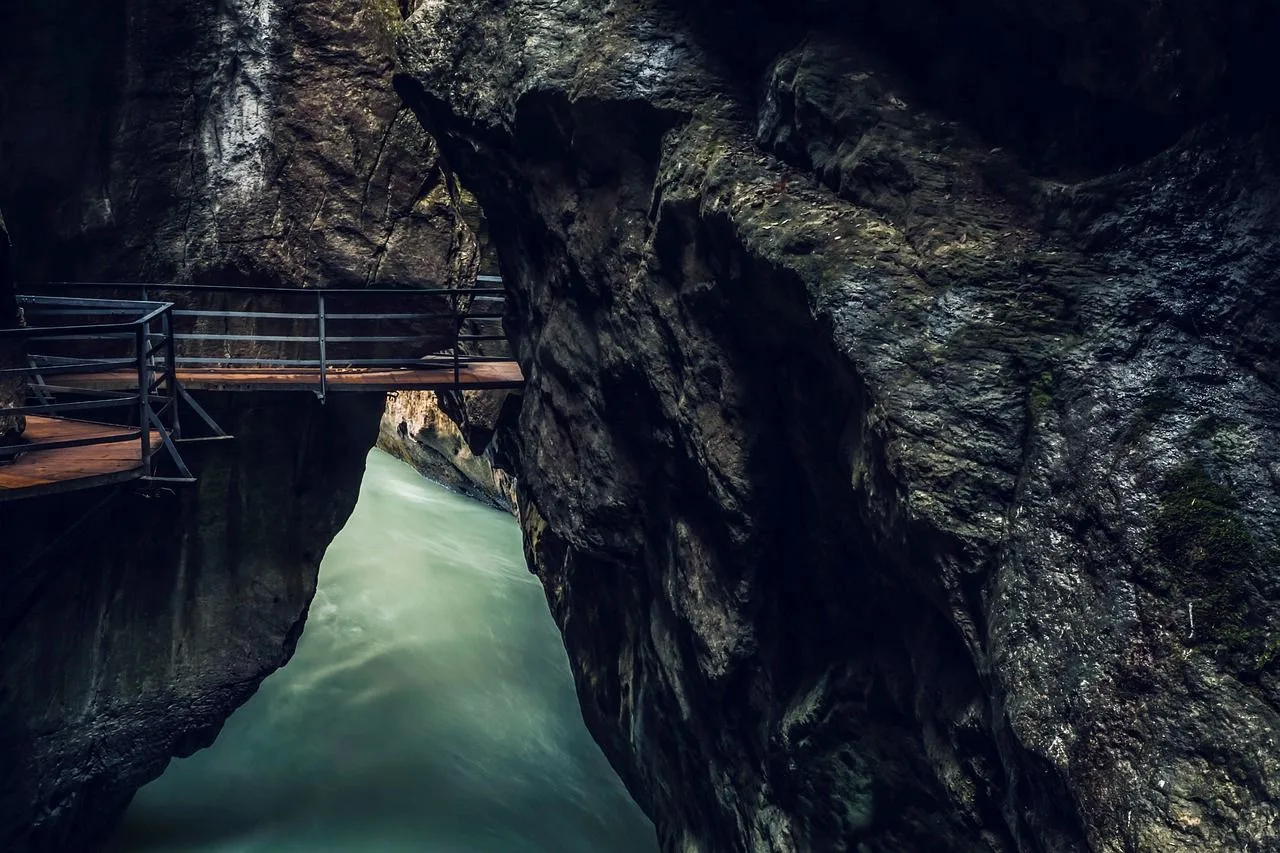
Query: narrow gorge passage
point(429, 707)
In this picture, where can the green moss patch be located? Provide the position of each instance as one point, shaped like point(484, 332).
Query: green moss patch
point(1210, 557)
point(1041, 396)
point(386, 15)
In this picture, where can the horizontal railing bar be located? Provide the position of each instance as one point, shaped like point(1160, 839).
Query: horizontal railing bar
point(488, 278)
point(64, 359)
point(50, 408)
point(476, 359)
point(77, 312)
point(296, 291)
point(444, 315)
point(64, 443)
point(88, 302)
point(389, 365)
point(68, 333)
point(443, 361)
point(104, 393)
point(248, 315)
point(312, 362)
point(48, 332)
point(265, 362)
point(376, 339)
point(280, 315)
point(338, 339)
point(253, 338)
point(109, 394)
point(54, 370)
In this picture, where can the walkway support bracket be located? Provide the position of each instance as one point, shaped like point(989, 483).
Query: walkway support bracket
point(321, 339)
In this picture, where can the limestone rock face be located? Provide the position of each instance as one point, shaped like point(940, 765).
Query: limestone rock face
point(249, 141)
point(427, 432)
point(899, 452)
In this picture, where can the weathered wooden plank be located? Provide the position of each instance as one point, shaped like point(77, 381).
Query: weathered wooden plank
point(48, 471)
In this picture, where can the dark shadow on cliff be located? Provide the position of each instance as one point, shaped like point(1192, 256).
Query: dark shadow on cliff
point(1075, 94)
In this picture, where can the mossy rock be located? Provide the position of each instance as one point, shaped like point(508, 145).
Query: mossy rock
point(1211, 557)
point(1042, 391)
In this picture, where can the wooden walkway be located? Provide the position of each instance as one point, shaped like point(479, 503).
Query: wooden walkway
point(63, 469)
point(474, 376)
point(139, 358)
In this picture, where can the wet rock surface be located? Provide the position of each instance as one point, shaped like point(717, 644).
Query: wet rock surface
point(899, 481)
point(133, 623)
point(447, 437)
point(251, 141)
point(244, 142)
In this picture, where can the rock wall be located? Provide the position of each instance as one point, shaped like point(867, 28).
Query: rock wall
point(899, 451)
point(134, 623)
point(249, 141)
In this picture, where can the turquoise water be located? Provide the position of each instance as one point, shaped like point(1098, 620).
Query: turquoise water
point(429, 708)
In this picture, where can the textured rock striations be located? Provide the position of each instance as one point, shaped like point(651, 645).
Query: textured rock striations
point(241, 141)
point(422, 428)
point(899, 452)
point(247, 141)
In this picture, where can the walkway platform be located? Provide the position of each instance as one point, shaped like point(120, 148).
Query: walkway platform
point(63, 469)
point(473, 376)
point(141, 358)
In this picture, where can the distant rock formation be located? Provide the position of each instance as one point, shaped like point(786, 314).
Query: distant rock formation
point(416, 428)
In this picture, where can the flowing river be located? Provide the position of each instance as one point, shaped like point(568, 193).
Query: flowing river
point(429, 708)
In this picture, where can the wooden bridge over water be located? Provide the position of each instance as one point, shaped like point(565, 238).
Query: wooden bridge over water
point(129, 355)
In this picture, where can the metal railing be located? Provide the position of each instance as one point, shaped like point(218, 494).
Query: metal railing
point(333, 324)
point(140, 347)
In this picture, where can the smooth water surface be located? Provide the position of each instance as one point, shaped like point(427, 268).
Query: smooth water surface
point(429, 708)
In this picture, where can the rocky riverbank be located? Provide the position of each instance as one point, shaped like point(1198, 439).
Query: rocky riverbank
point(416, 429)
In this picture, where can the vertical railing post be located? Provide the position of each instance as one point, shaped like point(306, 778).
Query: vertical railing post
point(144, 397)
point(457, 344)
point(171, 371)
point(321, 330)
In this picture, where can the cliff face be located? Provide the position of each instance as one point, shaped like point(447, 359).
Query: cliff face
point(418, 429)
point(132, 625)
point(899, 450)
point(243, 141)
point(251, 141)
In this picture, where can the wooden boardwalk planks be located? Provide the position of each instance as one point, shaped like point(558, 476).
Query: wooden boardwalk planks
point(63, 469)
point(482, 375)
